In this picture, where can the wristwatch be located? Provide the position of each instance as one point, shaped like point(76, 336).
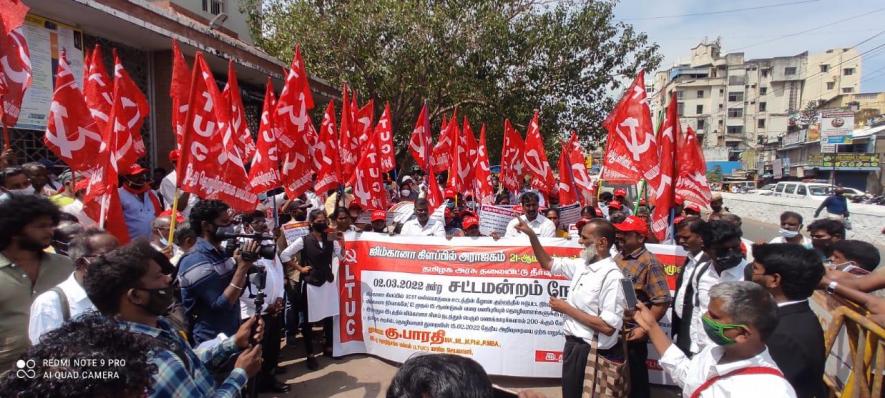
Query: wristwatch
point(831, 287)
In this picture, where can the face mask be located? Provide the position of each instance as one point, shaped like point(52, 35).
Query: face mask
point(405, 192)
point(163, 240)
point(159, 302)
point(450, 204)
point(24, 191)
point(730, 259)
point(786, 233)
point(320, 227)
point(716, 208)
point(716, 330)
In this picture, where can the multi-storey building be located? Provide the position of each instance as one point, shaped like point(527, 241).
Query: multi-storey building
point(739, 106)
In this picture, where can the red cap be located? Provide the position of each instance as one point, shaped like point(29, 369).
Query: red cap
point(174, 155)
point(450, 193)
point(679, 199)
point(354, 205)
point(168, 213)
point(135, 169)
point(615, 204)
point(620, 192)
point(581, 223)
point(632, 223)
point(678, 220)
point(693, 207)
point(379, 215)
point(469, 221)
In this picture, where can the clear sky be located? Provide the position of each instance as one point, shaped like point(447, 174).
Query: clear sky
point(774, 28)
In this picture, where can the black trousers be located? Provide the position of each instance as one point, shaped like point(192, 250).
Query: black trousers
point(637, 354)
point(270, 344)
point(306, 329)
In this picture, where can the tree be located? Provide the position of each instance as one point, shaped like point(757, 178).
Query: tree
point(489, 60)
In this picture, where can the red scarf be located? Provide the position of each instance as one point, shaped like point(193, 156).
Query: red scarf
point(146, 189)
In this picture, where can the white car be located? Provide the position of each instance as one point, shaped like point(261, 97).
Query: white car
point(802, 190)
point(766, 189)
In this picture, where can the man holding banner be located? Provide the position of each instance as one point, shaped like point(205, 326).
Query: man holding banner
point(594, 308)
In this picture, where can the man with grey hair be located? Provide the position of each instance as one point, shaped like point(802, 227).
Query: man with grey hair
point(740, 318)
point(68, 299)
point(594, 307)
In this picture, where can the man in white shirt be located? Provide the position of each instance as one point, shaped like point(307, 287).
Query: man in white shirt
point(422, 224)
point(542, 226)
point(723, 246)
point(67, 300)
point(272, 309)
point(594, 308)
point(740, 318)
point(689, 235)
point(186, 201)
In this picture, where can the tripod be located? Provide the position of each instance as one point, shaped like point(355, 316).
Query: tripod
point(257, 278)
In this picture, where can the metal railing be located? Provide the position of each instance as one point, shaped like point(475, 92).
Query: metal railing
point(866, 341)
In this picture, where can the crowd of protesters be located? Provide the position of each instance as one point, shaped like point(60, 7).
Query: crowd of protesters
point(182, 313)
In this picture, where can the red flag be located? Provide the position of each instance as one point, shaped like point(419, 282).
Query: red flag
point(98, 89)
point(663, 192)
point(327, 153)
point(483, 172)
point(348, 140)
point(419, 142)
point(133, 110)
point(384, 141)
point(210, 166)
point(434, 195)
point(691, 180)
point(472, 149)
point(462, 164)
point(580, 177)
point(363, 119)
point(12, 15)
point(367, 180)
point(536, 162)
point(71, 132)
point(15, 68)
point(179, 90)
point(242, 135)
point(293, 123)
point(631, 153)
point(441, 158)
point(113, 221)
point(567, 190)
point(264, 174)
point(512, 158)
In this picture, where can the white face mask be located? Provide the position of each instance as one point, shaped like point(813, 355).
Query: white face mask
point(405, 192)
point(24, 191)
point(786, 233)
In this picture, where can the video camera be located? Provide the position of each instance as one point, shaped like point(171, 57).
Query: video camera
point(232, 243)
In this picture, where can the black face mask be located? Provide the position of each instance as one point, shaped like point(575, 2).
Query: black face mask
point(729, 260)
point(320, 226)
point(159, 302)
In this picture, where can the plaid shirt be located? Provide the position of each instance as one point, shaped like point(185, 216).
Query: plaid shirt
point(175, 378)
point(647, 274)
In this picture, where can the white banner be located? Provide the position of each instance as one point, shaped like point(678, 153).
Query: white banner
point(495, 219)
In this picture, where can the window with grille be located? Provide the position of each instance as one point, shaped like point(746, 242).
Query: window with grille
point(700, 124)
point(760, 123)
point(848, 71)
point(790, 70)
point(213, 7)
point(735, 97)
point(735, 112)
point(762, 106)
point(699, 109)
point(700, 93)
point(763, 90)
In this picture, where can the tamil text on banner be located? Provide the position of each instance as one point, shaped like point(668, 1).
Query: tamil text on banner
point(295, 229)
point(480, 298)
point(495, 218)
point(569, 214)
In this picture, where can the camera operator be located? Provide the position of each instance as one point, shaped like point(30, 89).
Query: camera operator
point(211, 281)
point(130, 285)
point(311, 255)
point(255, 223)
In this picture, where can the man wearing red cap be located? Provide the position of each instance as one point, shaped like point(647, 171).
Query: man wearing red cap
point(621, 197)
point(140, 204)
point(650, 284)
point(470, 224)
point(186, 201)
point(379, 221)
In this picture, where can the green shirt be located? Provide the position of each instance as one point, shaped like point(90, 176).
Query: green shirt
point(17, 292)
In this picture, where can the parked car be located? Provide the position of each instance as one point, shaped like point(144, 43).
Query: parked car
point(802, 190)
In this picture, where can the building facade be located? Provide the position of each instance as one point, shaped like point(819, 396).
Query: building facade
point(742, 108)
point(142, 32)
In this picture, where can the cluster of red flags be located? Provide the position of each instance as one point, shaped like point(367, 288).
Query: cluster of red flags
point(15, 63)
point(97, 132)
point(670, 162)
